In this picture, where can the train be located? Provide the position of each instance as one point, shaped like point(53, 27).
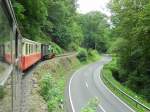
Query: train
point(17, 54)
point(30, 52)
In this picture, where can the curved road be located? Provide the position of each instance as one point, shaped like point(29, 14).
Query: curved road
point(86, 84)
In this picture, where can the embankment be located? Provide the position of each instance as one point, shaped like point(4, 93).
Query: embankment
point(48, 83)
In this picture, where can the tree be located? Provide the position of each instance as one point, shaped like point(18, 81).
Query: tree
point(131, 21)
point(94, 26)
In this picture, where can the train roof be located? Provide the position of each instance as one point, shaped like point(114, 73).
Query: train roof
point(30, 41)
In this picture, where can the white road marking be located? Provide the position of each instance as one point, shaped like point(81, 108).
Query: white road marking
point(116, 96)
point(86, 84)
point(72, 106)
point(101, 108)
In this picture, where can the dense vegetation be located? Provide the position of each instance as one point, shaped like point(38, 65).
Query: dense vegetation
point(95, 30)
point(57, 21)
point(130, 27)
point(109, 76)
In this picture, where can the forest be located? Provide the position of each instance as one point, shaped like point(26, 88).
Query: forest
point(127, 36)
point(131, 30)
point(58, 22)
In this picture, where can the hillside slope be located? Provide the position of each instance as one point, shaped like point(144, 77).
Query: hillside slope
point(59, 68)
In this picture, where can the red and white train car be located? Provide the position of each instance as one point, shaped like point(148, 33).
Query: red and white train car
point(31, 53)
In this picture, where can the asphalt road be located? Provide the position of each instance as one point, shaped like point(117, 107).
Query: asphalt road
point(86, 84)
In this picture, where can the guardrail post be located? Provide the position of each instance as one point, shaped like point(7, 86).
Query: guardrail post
point(136, 101)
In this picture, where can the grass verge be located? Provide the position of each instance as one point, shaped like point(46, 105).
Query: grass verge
point(91, 106)
point(112, 84)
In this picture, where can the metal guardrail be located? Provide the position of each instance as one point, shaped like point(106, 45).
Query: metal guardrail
point(128, 96)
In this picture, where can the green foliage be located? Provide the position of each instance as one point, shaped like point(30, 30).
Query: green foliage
point(73, 47)
point(19, 10)
point(57, 21)
point(91, 106)
point(65, 29)
point(111, 77)
point(53, 19)
point(117, 46)
point(52, 91)
point(113, 68)
point(130, 20)
point(95, 30)
point(46, 85)
point(82, 55)
point(30, 19)
point(93, 55)
point(87, 55)
point(56, 48)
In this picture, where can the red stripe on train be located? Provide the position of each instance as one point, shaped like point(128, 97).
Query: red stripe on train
point(29, 60)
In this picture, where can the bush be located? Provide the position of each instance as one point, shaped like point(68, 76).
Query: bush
point(113, 67)
point(92, 105)
point(52, 92)
point(93, 54)
point(56, 48)
point(46, 85)
point(82, 55)
point(73, 47)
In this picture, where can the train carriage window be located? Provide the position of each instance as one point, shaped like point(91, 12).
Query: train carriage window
point(29, 48)
point(35, 48)
point(38, 48)
point(32, 49)
point(16, 45)
point(26, 49)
